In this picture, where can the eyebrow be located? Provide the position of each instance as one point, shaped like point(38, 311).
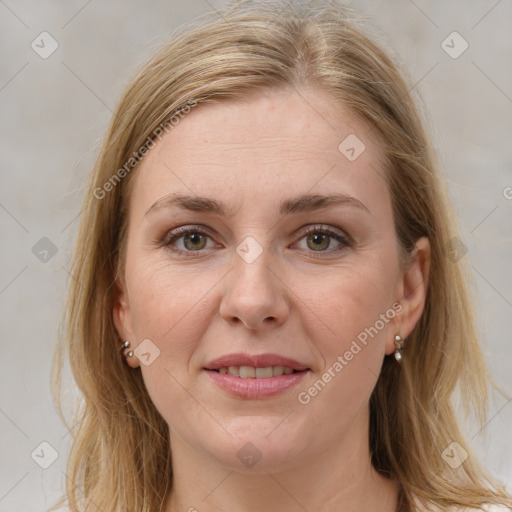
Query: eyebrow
point(303, 203)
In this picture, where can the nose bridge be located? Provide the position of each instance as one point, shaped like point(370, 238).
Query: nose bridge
point(251, 265)
point(253, 291)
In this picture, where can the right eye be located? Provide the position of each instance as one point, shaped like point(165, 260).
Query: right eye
point(192, 238)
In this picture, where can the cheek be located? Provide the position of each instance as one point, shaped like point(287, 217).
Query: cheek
point(167, 307)
point(355, 314)
point(347, 303)
point(165, 298)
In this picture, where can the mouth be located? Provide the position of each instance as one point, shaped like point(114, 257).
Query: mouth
point(249, 366)
point(251, 372)
point(255, 376)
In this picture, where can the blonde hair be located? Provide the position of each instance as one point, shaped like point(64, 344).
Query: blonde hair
point(120, 458)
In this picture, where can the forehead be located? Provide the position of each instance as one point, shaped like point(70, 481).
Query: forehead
point(268, 145)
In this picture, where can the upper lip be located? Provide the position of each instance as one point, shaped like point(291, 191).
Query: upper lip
point(256, 361)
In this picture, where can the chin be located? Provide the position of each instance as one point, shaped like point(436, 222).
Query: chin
point(258, 449)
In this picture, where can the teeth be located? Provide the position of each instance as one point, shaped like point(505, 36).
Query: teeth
point(249, 372)
point(264, 373)
point(234, 370)
point(277, 371)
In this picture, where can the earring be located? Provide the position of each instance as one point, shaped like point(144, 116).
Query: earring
point(399, 344)
point(124, 346)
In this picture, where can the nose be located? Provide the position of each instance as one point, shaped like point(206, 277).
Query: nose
point(255, 293)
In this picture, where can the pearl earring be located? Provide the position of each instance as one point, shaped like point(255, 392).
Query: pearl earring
point(124, 346)
point(399, 344)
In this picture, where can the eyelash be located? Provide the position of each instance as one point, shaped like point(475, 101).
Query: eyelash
point(178, 233)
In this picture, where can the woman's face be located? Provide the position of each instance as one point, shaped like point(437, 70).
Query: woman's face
point(268, 275)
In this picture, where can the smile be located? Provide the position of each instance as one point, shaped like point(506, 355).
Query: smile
point(254, 387)
point(250, 372)
point(255, 376)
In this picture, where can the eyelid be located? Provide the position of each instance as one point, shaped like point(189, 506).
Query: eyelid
point(326, 229)
point(345, 240)
point(178, 232)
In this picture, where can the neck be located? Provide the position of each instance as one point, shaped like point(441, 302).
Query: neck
point(342, 479)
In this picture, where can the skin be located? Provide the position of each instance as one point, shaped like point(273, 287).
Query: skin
point(300, 298)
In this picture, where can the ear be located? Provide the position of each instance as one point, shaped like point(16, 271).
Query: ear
point(123, 321)
point(411, 292)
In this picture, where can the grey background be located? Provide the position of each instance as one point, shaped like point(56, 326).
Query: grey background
point(55, 111)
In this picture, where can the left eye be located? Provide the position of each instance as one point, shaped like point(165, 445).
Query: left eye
point(319, 239)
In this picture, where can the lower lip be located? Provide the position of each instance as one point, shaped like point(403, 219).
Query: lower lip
point(256, 388)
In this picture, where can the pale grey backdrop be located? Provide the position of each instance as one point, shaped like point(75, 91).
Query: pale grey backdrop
point(55, 110)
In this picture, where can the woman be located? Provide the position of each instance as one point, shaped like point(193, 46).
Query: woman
point(263, 315)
